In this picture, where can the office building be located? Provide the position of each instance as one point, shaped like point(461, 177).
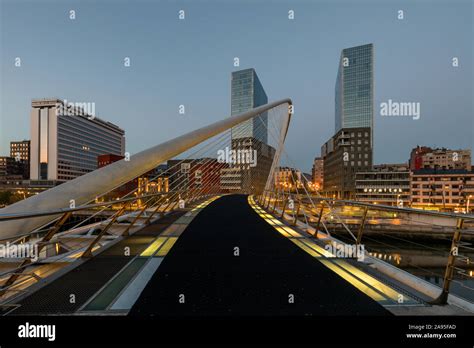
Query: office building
point(354, 92)
point(423, 157)
point(251, 174)
point(192, 177)
point(66, 141)
point(6, 164)
point(106, 159)
point(345, 154)
point(179, 172)
point(445, 190)
point(317, 172)
point(20, 150)
point(206, 177)
point(350, 150)
point(156, 180)
point(250, 136)
point(103, 161)
point(288, 179)
point(153, 181)
point(231, 180)
point(10, 167)
point(387, 184)
point(247, 93)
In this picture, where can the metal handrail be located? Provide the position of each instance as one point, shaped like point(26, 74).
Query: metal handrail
point(86, 187)
point(396, 209)
point(5, 217)
point(18, 272)
point(442, 299)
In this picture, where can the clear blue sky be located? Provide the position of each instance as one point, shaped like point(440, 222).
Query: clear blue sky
point(189, 62)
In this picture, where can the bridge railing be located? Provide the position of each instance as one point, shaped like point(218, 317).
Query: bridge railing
point(386, 230)
point(234, 155)
point(84, 189)
point(123, 214)
point(131, 206)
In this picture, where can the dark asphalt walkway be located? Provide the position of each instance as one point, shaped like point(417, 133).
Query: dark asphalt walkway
point(202, 267)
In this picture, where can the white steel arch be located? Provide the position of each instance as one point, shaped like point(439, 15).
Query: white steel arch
point(86, 187)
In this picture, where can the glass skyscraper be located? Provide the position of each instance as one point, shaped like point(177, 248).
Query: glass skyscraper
point(247, 93)
point(355, 88)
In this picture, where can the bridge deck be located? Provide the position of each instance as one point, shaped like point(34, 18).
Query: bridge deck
point(88, 278)
point(203, 267)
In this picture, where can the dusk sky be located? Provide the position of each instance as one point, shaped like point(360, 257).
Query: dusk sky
point(190, 62)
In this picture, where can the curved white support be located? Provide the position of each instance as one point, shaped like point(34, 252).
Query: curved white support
point(86, 187)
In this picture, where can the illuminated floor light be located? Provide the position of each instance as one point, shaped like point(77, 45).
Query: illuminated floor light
point(205, 203)
point(387, 291)
point(282, 231)
point(292, 232)
point(153, 247)
point(167, 246)
point(354, 281)
point(356, 277)
point(306, 248)
point(320, 250)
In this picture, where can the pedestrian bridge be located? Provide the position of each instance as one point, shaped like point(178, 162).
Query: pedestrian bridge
point(211, 235)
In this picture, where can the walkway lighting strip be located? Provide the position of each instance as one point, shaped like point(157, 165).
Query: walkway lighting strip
point(356, 277)
point(162, 245)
